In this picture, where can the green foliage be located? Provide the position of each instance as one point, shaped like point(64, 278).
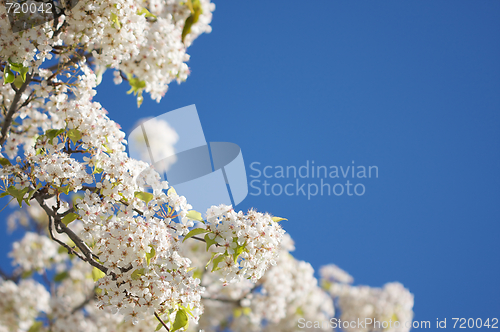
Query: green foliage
point(5, 162)
point(241, 311)
point(97, 274)
point(8, 75)
point(209, 241)
point(146, 12)
point(277, 219)
point(218, 260)
point(195, 8)
point(181, 320)
point(64, 189)
point(195, 215)
point(150, 254)
point(18, 194)
point(239, 250)
point(61, 276)
point(136, 86)
point(53, 133)
point(20, 69)
point(194, 232)
point(144, 196)
point(136, 275)
point(70, 217)
point(116, 22)
point(36, 327)
point(31, 193)
point(210, 260)
point(18, 82)
point(74, 135)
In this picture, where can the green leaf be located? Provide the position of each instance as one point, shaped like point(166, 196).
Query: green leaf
point(61, 276)
point(18, 82)
point(150, 254)
point(23, 72)
point(18, 194)
point(209, 241)
point(189, 4)
point(107, 149)
point(159, 326)
point(70, 217)
point(237, 312)
point(37, 326)
point(181, 321)
point(194, 215)
point(198, 273)
point(31, 193)
point(5, 162)
point(195, 8)
point(188, 310)
point(136, 275)
point(187, 26)
point(239, 249)
point(277, 219)
point(210, 260)
point(27, 274)
point(136, 84)
point(144, 196)
point(145, 11)
point(74, 135)
point(116, 21)
point(8, 75)
point(64, 189)
point(194, 232)
point(19, 68)
point(97, 274)
point(97, 170)
point(218, 260)
point(53, 133)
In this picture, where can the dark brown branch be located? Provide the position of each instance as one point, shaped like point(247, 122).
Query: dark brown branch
point(13, 109)
point(162, 322)
point(62, 228)
point(67, 247)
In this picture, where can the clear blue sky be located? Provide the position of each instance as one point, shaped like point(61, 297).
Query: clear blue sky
point(409, 86)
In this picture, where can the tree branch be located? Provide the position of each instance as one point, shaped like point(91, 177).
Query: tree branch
point(70, 249)
point(13, 109)
point(161, 321)
point(62, 228)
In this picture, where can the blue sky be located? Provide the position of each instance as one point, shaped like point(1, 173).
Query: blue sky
point(409, 86)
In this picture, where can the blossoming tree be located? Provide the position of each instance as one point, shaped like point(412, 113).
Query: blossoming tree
point(108, 245)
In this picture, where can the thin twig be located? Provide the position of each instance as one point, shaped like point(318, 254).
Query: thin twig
point(70, 249)
point(162, 322)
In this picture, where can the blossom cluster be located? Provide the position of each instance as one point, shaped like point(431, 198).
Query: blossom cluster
point(247, 244)
point(21, 303)
point(391, 302)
